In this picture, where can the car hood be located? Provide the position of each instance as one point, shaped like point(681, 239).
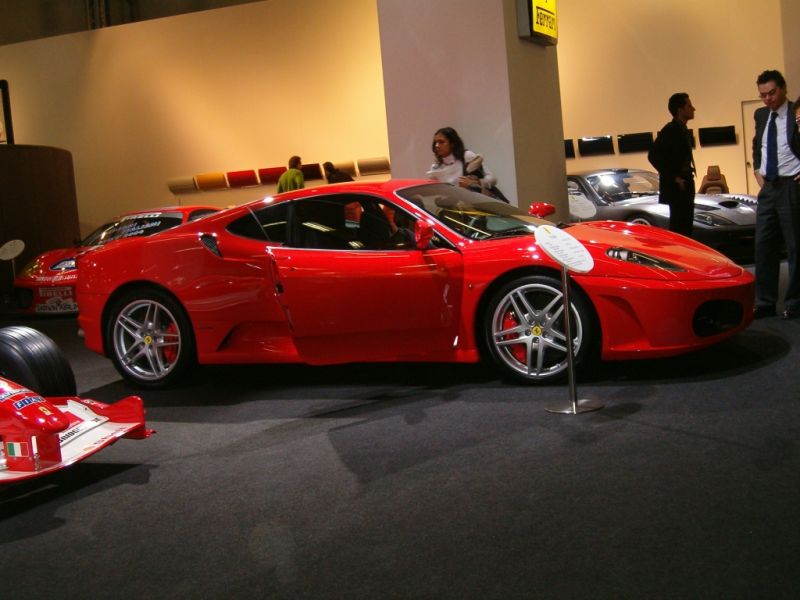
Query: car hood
point(695, 260)
point(41, 268)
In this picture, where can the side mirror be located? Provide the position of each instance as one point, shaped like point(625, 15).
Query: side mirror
point(541, 209)
point(423, 234)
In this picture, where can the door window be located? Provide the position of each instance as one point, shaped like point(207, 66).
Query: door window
point(351, 222)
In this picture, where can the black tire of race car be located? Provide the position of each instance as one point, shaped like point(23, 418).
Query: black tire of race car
point(187, 354)
point(30, 358)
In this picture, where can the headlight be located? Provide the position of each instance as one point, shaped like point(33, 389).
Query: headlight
point(638, 258)
point(30, 269)
point(68, 264)
point(711, 219)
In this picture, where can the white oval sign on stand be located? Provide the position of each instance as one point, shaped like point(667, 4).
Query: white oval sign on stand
point(11, 249)
point(564, 249)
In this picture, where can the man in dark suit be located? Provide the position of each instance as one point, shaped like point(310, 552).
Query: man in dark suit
point(671, 155)
point(776, 161)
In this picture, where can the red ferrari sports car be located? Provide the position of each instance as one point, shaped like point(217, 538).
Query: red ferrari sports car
point(41, 435)
point(398, 271)
point(47, 284)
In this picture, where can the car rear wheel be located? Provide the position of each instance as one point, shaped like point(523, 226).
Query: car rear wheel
point(31, 359)
point(149, 338)
point(524, 329)
point(642, 220)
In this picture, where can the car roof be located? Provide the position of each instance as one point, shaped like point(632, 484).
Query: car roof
point(386, 187)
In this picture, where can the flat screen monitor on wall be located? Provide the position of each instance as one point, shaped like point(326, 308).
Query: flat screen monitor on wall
point(717, 136)
point(635, 142)
point(592, 146)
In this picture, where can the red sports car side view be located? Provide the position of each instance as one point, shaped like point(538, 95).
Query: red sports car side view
point(398, 271)
point(46, 285)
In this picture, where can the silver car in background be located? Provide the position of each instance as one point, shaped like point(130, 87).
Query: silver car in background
point(725, 222)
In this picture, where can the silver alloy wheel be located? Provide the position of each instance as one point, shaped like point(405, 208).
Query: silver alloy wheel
point(528, 331)
point(146, 339)
point(641, 221)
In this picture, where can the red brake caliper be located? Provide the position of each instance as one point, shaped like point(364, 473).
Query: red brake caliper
point(171, 352)
point(517, 350)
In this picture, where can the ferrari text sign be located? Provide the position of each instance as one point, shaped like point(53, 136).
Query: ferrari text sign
point(538, 20)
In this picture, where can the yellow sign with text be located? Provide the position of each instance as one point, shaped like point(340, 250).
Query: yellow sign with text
point(544, 17)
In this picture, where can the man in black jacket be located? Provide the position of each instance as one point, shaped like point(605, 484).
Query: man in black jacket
point(776, 162)
point(671, 155)
point(334, 175)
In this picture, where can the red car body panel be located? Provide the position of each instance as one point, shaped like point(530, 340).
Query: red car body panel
point(264, 302)
point(51, 290)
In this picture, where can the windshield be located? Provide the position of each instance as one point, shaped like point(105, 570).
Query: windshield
point(471, 214)
point(132, 226)
point(621, 185)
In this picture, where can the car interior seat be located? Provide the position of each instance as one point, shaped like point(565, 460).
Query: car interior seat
point(714, 182)
point(321, 224)
point(374, 230)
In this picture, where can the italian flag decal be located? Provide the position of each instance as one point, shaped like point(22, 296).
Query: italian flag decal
point(16, 449)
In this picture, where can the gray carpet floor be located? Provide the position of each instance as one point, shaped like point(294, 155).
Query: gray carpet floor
point(429, 481)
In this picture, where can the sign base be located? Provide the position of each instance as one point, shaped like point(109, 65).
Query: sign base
point(574, 408)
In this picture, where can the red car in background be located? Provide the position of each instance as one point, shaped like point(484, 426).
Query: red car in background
point(47, 284)
point(398, 271)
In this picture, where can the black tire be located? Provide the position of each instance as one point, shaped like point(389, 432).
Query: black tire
point(30, 358)
point(149, 338)
point(523, 329)
point(642, 219)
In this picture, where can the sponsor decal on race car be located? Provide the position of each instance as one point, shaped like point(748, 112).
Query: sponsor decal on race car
point(20, 404)
point(56, 305)
point(82, 420)
point(16, 392)
point(55, 292)
point(152, 215)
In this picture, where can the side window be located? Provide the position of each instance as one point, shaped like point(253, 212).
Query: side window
point(575, 191)
point(351, 222)
point(200, 213)
point(266, 224)
point(320, 223)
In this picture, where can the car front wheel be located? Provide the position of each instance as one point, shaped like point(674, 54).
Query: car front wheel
point(149, 338)
point(525, 330)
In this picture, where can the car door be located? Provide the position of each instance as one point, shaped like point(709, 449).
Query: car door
point(355, 288)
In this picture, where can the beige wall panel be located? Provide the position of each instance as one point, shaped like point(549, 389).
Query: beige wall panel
point(620, 60)
point(229, 89)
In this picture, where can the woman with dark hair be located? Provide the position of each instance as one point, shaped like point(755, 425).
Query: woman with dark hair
point(459, 166)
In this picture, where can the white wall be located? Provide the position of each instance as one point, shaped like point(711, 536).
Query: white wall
point(227, 89)
point(620, 60)
point(444, 65)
